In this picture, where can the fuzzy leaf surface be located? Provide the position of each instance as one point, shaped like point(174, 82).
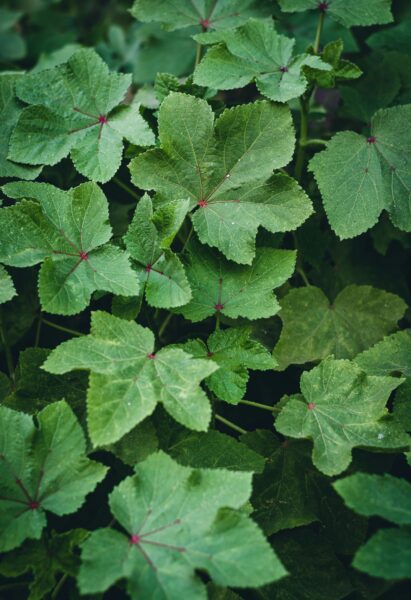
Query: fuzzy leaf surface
point(391, 355)
point(346, 12)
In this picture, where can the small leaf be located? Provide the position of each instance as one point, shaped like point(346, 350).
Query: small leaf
point(391, 355)
point(386, 555)
point(7, 290)
point(346, 12)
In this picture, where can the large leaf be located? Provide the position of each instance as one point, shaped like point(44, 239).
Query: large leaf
point(128, 380)
point(313, 328)
point(220, 14)
point(69, 232)
point(76, 108)
point(256, 52)
point(7, 290)
point(390, 356)
point(346, 12)
point(177, 520)
point(223, 171)
point(235, 353)
point(220, 286)
point(359, 176)
point(341, 408)
point(42, 469)
point(160, 272)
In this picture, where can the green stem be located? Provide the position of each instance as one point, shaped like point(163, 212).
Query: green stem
point(217, 320)
point(190, 233)
point(61, 328)
point(198, 55)
point(258, 405)
point(164, 325)
point(303, 276)
point(126, 188)
point(230, 424)
point(318, 33)
point(12, 586)
point(7, 351)
point(299, 163)
point(38, 331)
point(315, 142)
point(59, 585)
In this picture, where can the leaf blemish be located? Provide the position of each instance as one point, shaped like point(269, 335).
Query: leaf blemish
point(371, 139)
point(310, 405)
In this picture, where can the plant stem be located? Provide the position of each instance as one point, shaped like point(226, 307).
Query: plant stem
point(59, 585)
point(303, 276)
point(126, 188)
point(230, 424)
point(62, 328)
point(164, 325)
point(217, 320)
point(38, 331)
point(12, 586)
point(198, 54)
point(315, 142)
point(318, 33)
point(299, 163)
point(190, 233)
point(259, 405)
point(7, 351)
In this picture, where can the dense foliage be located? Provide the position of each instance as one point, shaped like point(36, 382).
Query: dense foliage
point(205, 339)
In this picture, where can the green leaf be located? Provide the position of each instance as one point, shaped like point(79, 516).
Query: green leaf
point(10, 109)
point(220, 14)
point(341, 70)
point(377, 495)
point(42, 469)
point(235, 353)
point(313, 328)
point(341, 408)
point(7, 289)
point(222, 287)
point(127, 380)
point(256, 52)
point(46, 559)
point(386, 555)
point(391, 355)
point(177, 520)
point(136, 445)
point(68, 232)
point(12, 44)
point(346, 12)
point(359, 176)
point(223, 171)
point(159, 271)
point(76, 108)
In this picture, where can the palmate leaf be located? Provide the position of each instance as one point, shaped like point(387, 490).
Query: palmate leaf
point(220, 286)
point(41, 469)
point(215, 14)
point(223, 170)
point(387, 554)
point(235, 353)
point(7, 290)
point(176, 520)
point(346, 12)
point(127, 380)
point(76, 108)
point(359, 176)
point(159, 271)
point(313, 328)
point(68, 231)
point(341, 408)
point(257, 52)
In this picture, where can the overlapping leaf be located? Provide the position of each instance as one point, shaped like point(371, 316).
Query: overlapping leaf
point(341, 408)
point(256, 52)
point(128, 380)
point(41, 469)
point(176, 520)
point(7, 290)
point(346, 12)
point(76, 108)
point(390, 356)
point(313, 328)
point(224, 171)
point(159, 271)
point(360, 176)
point(68, 231)
point(235, 353)
point(220, 286)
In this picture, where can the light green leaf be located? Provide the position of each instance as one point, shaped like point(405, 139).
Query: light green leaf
point(223, 171)
point(341, 70)
point(391, 355)
point(160, 272)
point(235, 353)
point(75, 109)
point(127, 380)
point(42, 469)
point(177, 520)
point(257, 52)
point(346, 12)
point(341, 408)
point(7, 290)
point(386, 555)
point(313, 328)
point(220, 286)
point(68, 231)
point(361, 176)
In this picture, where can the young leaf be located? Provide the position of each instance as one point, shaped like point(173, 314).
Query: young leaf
point(346, 12)
point(313, 328)
point(128, 380)
point(76, 108)
point(341, 408)
point(159, 271)
point(7, 290)
point(177, 520)
point(256, 52)
point(341, 70)
point(220, 14)
point(223, 170)
point(235, 353)
point(42, 469)
point(68, 231)
point(390, 356)
point(359, 176)
point(220, 286)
